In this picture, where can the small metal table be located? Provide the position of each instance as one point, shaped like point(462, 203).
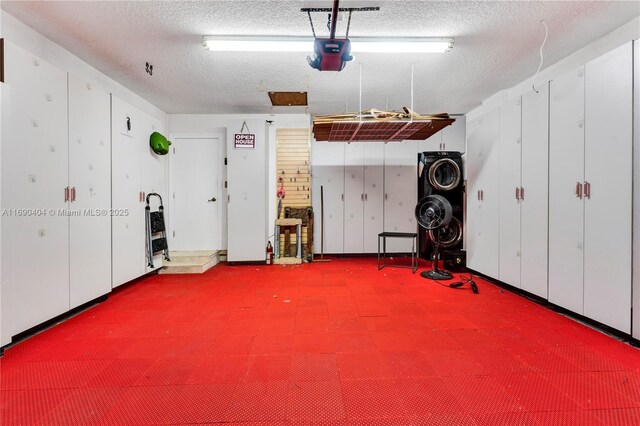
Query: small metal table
point(414, 256)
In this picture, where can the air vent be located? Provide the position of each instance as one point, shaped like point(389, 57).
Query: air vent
point(288, 98)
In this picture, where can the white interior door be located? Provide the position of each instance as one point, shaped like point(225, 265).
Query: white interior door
point(510, 151)
point(195, 217)
point(566, 174)
point(608, 171)
point(535, 197)
point(90, 175)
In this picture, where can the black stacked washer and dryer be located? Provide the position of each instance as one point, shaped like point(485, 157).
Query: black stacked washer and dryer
point(441, 173)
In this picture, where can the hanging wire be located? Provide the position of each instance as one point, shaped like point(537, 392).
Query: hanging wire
point(360, 90)
point(349, 23)
point(411, 93)
point(313, 30)
point(546, 33)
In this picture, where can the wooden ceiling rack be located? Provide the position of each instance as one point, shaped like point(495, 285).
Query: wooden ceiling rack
point(378, 126)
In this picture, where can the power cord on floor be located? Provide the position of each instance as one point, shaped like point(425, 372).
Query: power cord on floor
point(458, 285)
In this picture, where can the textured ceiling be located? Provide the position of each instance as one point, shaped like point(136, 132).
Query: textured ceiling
point(496, 46)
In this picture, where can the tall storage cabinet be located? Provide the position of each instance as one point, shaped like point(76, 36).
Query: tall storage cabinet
point(128, 232)
point(608, 188)
point(483, 206)
point(136, 172)
point(90, 183)
point(510, 183)
point(363, 205)
point(534, 195)
point(590, 195)
point(524, 191)
point(328, 173)
point(400, 192)
point(34, 155)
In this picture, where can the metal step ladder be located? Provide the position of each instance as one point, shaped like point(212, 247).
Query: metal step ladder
point(154, 224)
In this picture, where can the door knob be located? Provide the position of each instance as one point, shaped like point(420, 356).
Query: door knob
point(211, 200)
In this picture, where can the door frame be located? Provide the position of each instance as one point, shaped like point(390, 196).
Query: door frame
point(222, 177)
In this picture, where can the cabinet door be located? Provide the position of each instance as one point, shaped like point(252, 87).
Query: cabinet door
point(566, 208)
point(635, 328)
point(400, 192)
point(535, 199)
point(154, 170)
point(490, 195)
point(353, 197)
point(328, 174)
point(127, 230)
point(90, 176)
point(373, 195)
point(608, 171)
point(34, 155)
point(473, 165)
point(247, 194)
point(510, 152)
point(453, 137)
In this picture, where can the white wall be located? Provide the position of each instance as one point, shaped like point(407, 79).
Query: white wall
point(618, 37)
point(216, 124)
point(30, 40)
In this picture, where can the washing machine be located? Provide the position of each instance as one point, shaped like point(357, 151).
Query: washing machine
point(442, 173)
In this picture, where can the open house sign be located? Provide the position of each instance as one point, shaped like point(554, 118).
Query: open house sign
point(245, 141)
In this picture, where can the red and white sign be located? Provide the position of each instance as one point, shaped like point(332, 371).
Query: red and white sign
point(245, 140)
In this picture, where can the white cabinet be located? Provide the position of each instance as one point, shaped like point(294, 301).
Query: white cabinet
point(247, 193)
point(483, 206)
point(608, 182)
point(524, 191)
point(400, 192)
point(353, 197)
point(590, 194)
point(534, 197)
point(126, 182)
point(566, 174)
point(635, 326)
point(136, 172)
point(34, 155)
point(510, 183)
point(363, 199)
point(327, 159)
point(90, 183)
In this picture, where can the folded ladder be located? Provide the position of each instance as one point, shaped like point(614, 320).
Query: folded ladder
point(154, 225)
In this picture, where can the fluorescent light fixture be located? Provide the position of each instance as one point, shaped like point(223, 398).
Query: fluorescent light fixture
point(305, 44)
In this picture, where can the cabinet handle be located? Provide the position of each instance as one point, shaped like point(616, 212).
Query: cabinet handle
point(342, 197)
point(522, 193)
point(478, 195)
point(365, 197)
point(386, 196)
point(361, 197)
point(517, 193)
point(66, 194)
point(587, 190)
point(579, 190)
point(73, 193)
point(482, 195)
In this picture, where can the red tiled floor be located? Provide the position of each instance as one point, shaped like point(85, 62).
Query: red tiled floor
point(340, 344)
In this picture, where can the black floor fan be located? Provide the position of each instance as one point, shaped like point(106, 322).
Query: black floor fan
point(433, 212)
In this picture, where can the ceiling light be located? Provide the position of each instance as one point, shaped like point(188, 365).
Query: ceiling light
point(305, 44)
